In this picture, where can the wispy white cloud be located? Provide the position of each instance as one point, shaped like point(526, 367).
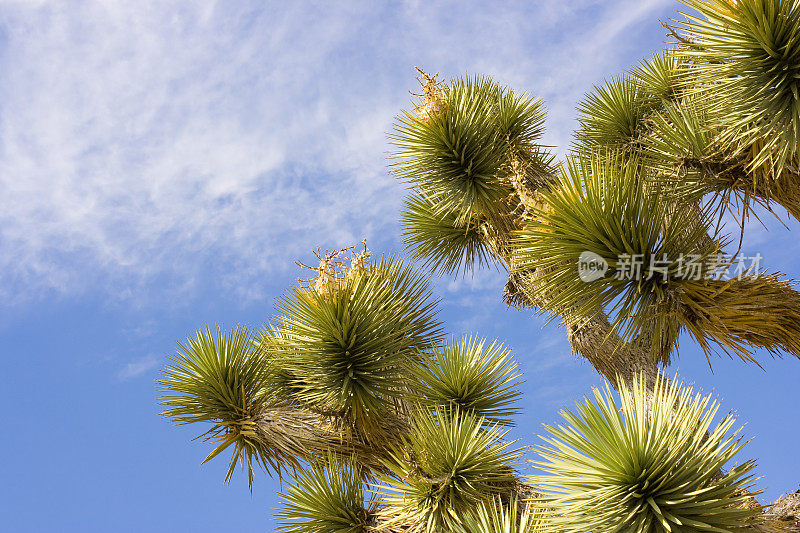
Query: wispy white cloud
point(188, 141)
point(137, 367)
point(140, 140)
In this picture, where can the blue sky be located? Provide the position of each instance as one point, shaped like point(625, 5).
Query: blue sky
point(162, 165)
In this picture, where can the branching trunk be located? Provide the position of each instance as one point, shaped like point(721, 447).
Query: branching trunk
point(592, 338)
point(296, 434)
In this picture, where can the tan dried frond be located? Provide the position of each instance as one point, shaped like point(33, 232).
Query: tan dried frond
point(521, 176)
point(433, 96)
point(738, 315)
point(359, 262)
point(784, 515)
point(783, 189)
point(526, 173)
point(333, 270)
point(787, 507)
point(769, 525)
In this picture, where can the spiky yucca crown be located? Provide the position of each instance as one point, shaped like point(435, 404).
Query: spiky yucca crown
point(345, 354)
point(217, 378)
point(328, 496)
point(345, 340)
point(513, 517)
point(340, 349)
point(606, 206)
point(449, 463)
point(461, 158)
point(746, 62)
point(645, 464)
point(720, 108)
point(469, 377)
point(648, 463)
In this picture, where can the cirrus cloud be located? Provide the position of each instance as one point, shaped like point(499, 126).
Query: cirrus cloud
point(184, 141)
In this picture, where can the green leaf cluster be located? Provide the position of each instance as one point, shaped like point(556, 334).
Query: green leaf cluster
point(217, 377)
point(440, 239)
point(328, 497)
point(469, 377)
point(606, 205)
point(513, 517)
point(461, 161)
point(456, 156)
point(650, 463)
point(346, 352)
point(745, 62)
point(448, 464)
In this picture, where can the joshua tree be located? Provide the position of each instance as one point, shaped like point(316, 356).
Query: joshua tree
point(707, 126)
point(388, 425)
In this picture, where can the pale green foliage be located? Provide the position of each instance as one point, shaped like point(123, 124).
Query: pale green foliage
point(661, 75)
point(326, 498)
point(469, 377)
point(719, 111)
point(448, 464)
point(740, 315)
point(457, 155)
point(645, 464)
point(615, 114)
point(496, 517)
point(606, 206)
point(217, 377)
point(612, 116)
point(746, 64)
point(346, 351)
point(682, 134)
point(441, 238)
